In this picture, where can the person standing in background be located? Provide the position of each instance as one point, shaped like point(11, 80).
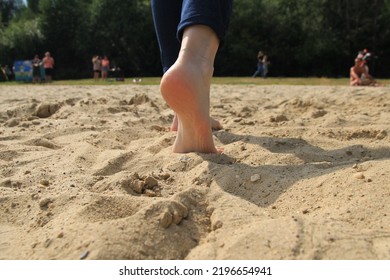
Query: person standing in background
point(36, 62)
point(262, 65)
point(105, 67)
point(97, 67)
point(48, 64)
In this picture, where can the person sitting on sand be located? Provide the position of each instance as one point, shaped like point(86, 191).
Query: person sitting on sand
point(189, 34)
point(359, 75)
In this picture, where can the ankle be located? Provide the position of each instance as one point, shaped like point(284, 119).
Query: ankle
point(197, 62)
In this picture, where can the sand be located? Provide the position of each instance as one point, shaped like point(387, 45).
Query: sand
point(87, 172)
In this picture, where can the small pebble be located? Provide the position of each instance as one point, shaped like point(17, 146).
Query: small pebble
point(44, 182)
point(47, 243)
point(165, 176)
point(151, 182)
point(150, 193)
point(360, 176)
point(138, 186)
point(84, 255)
point(45, 202)
point(217, 225)
point(165, 219)
point(184, 159)
point(255, 178)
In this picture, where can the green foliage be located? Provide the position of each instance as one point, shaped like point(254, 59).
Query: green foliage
point(76, 30)
point(306, 37)
point(19, 31)
point(62, 22)
point(123, 30)
point(33, 5)
point(9, 9)
point(21, 36)
point(301, 37)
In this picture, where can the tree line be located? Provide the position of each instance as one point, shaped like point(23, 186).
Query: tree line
point(301, 37)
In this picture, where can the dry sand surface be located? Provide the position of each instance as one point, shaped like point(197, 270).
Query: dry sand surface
point(87, 172)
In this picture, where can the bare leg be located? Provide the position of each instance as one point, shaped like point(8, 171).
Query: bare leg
point(354, 79)
point(186, 89)
point(354, 82)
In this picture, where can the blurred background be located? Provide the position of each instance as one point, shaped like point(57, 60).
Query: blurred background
point(302, 38)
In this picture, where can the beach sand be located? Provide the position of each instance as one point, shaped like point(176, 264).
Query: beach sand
point(87, 172)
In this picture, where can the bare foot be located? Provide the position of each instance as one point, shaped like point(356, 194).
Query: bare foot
point(215, 124)
point(186, 89)
point(194, 132)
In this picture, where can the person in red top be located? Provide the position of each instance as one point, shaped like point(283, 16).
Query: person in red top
point(105, 67)
point(48, 64)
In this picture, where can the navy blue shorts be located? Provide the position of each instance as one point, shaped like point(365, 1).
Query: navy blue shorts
point(171, 17)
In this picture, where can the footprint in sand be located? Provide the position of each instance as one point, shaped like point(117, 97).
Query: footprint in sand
point(43, 142)
point(120, 207)
point(45, 110)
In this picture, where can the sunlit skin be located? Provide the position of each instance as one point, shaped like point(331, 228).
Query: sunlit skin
point(357, 71)
point(215, 124)
point(186, 89)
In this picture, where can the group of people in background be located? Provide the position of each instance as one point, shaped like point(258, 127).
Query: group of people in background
point(100, 67)
point(359, 72)
point(43, 67)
